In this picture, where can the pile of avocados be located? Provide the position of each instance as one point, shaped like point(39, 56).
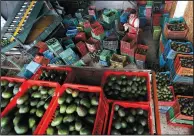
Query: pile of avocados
point(183, 89)
point(177, 27)
point(186, 62)
point(180, 47)
point(129, 121)
point(129, 88)
point(29, 111)
point(76, 113)
point(164, 92)
point(54, 76)
point(186, 106)
point(8, 90)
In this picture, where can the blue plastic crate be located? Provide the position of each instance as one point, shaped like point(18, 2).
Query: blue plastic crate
point(141, 11)
point(49, 55)
point(103, 63)
point(71, 34)
point(169, 63)
point(162, 61)
point(124, 17)
point(143, 22)
point(164, 39)
point(171, 54)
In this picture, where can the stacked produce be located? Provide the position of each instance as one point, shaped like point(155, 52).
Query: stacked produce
point(8, 90)
point(130, 88)
point(180, 47)
point(186, 106)
point(53, 75)
point(29, 111)
point(186, 62)
point(76, 113)
point(129, 121)
point(164, 92)
point(183, 89)
point(177, 27)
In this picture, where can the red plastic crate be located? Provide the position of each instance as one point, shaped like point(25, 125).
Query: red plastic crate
point(175, 34)
point(131, 105)
point(70, 75)
point(108, 73)
point(81, 46)
point(141, 56)
point(168, 6)
point(182, 70)
point(166, 103)
point(141, 2)
point(81, 36)
point(177, 110)
point(41, 60)
point(102, 112)
point(42, 46)
point(24, 88)
point(13, 79)
point(97, 28)
point(127, 51)
point(156, 19)
point(126, 44)
point(93, 44)
point(179, 125)
point(87, 24)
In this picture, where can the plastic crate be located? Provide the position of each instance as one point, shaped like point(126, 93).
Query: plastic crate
point(175, 34)
point(161, 49)
point(182, 70)
point(169, 63)
point(131, 105)
point(54, 46)
point(171, 54)
point(41, 60)
point(141, 11)
point(148, 11)
point(164, 19)
point(24, 88)
point(156, 19)
point(67, 43)
point(141, 56)
point(177, 111)
point(127, 51)
point(92, 44)
point(141, 2)
point(105, 55)
point(69, 56)
point(167, 103)
point(71, 34)
point(111, 43)
point(81, 36)
point(56, 61)
point(102, 112)
point(108, 73)
point(87, 24)
point(156, 32)
point(69, 78)
point(103, 63)
point(109, 19)
point(140, 64)
point(97, 28)
point(124, 17)
point(92, 10)
point(126, 44)
point(98, 37)
point(81, 46)
point(122, 63)
point(143, 22)
point(42, 46)
point(162, 61)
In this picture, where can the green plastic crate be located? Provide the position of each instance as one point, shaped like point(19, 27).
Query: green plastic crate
point(156, 32)
point(105, 55)
point(182, 121)
point(109, 19)
point(149, 3)
point(98, 37)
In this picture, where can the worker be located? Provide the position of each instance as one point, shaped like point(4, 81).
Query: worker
point(133, 22)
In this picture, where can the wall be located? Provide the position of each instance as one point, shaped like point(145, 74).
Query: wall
point(188, 15)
